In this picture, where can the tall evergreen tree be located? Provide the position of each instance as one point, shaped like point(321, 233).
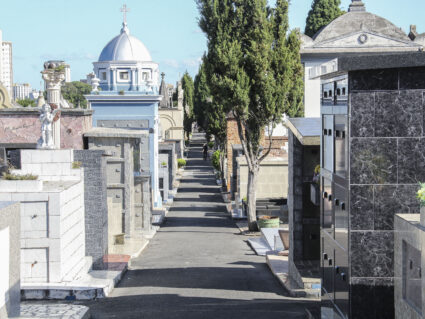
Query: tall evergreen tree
point(255, 72)
point(188, 91)
point(321, 14)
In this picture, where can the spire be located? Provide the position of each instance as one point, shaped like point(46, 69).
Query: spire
point(124, 10)
point(356, 6)
point(163, 90)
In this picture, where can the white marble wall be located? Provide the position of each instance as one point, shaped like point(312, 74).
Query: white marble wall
point(52, 218)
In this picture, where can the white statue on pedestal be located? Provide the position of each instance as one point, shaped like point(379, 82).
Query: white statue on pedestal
point(47, 118)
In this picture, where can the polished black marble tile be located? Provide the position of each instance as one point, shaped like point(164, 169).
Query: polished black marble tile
point(411, 160)
point(412, 78)
point(373, 161)
point(362, 109)
point(390, 200)
point(372, 253)
point(361, 208)
point(369, 80)
point(398, 114)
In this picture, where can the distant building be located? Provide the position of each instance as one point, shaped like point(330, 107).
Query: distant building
point(354, 33)
point(6, 66)
point(21, 91)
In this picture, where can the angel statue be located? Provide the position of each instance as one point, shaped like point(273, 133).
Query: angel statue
point(47, 118)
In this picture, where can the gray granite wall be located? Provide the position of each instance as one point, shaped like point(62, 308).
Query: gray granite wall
point(10, 217)
point(295, 197)
point(386, 163)
point(407, 270)
point(95, 204)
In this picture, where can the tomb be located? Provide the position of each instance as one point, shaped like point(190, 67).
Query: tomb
point(10, 288)
point(127, 167)
point(303, 201)
point(129, 83)
point(52, 217)
point(372, 144)
point(409, 262)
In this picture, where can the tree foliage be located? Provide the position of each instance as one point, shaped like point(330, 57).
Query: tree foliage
point(74, 92)
point(321, 14)
point(188, 101)
point(253, 71)
point(26, 102)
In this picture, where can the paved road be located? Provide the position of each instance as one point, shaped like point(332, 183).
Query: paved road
point(198, 266)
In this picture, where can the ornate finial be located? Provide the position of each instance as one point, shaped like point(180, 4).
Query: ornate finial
point(124, 10)
point(162, 76)
point(356, 6)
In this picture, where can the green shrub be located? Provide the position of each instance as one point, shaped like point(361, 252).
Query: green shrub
point(163, 164)
point(181, 163)
point(187, 143)
point(121, 92)
point(216, 160)
point(211, 144)
point(76, 165)
point(14, 177)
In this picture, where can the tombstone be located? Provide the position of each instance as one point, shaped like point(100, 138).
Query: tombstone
point(10, 288)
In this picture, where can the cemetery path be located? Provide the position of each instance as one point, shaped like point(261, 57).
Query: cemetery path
point(198, 266)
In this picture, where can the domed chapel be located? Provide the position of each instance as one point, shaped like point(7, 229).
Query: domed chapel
point(126, 93)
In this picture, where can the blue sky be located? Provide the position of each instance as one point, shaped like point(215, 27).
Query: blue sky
point(77, 30)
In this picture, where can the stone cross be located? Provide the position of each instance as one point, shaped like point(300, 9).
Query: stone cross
point(124, 10)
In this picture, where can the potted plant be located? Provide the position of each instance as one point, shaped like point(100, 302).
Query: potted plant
point(164, 164)
point(421, 196)
point(315, 187)
point(268, 222)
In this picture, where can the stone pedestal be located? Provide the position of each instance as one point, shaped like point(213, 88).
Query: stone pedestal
point(54, 75)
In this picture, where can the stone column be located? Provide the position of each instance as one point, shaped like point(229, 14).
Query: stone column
point(114, 79)
point(133, 79)
point(54, 75)
point(423, 216)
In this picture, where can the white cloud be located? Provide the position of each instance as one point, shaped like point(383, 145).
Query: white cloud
point(172, 63)
point(191, 63)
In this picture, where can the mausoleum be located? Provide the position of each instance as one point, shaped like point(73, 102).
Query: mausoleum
point(128, 80)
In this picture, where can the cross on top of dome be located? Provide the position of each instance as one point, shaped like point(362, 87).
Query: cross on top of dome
point(124, 10)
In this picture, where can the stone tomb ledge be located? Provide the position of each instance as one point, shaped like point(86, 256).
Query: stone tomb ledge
point(53, 311)
point(93, 285)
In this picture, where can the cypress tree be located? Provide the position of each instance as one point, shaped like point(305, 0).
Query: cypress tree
point(188, 91)
point(254, 72)
point(321, 14)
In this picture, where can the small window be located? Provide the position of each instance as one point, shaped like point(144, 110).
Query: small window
point(338, 91)
point(124, 76)
point(330, 93)
point(325, 95)
point(145, 76)
point(103, 76)
point(343, 91)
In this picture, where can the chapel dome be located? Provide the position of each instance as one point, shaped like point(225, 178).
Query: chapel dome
point(351, 22)
point(125, 47)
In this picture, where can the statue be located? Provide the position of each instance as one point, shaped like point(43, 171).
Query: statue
point(47, 118)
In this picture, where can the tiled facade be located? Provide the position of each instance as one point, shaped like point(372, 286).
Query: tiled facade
point(373, 150)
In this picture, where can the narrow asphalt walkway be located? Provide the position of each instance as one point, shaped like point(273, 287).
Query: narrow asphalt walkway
point(198, 266)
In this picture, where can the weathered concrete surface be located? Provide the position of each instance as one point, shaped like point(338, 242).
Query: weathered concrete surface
point(198, 266)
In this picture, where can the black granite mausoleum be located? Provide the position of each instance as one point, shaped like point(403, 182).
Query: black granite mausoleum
point(373, 148)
